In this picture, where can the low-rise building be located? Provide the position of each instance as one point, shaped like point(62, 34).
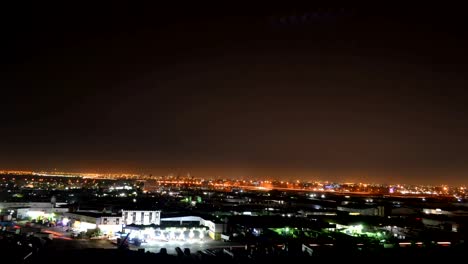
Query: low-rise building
point(109, 224)
point(141, 217)
point(363, 210)
point(38, 212)
point(215, 227)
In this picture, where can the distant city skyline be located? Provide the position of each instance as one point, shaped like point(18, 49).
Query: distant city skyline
point(207, 174)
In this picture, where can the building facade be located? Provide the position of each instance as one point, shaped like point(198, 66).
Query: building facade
point(215, 228)
point(83, 221)
point(141, 217)
point(372, 211)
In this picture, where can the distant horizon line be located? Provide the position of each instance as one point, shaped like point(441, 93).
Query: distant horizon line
point(215, 177)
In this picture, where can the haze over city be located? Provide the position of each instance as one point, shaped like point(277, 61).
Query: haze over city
point(335, 94)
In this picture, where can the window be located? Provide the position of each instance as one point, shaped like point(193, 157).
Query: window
point(142, 217)
point(117, 220)
point(151, 217)
point(105, 221)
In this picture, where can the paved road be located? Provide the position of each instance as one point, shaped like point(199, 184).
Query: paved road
point(61, 244)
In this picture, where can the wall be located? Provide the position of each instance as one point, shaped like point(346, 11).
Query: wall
point(25, 204)
point(22, 213)
point(135, 217)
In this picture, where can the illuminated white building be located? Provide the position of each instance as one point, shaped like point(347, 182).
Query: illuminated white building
point(141, 217)
point(109, 224)
point(36, 212)
point(169, 234)
point(215, 228)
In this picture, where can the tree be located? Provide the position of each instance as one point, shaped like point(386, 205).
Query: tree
point(94, 232)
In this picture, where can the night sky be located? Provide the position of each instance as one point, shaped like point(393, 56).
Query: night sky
point(341, 94)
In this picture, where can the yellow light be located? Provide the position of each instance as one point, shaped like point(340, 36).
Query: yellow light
point(35, 214)
point(443, 243)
